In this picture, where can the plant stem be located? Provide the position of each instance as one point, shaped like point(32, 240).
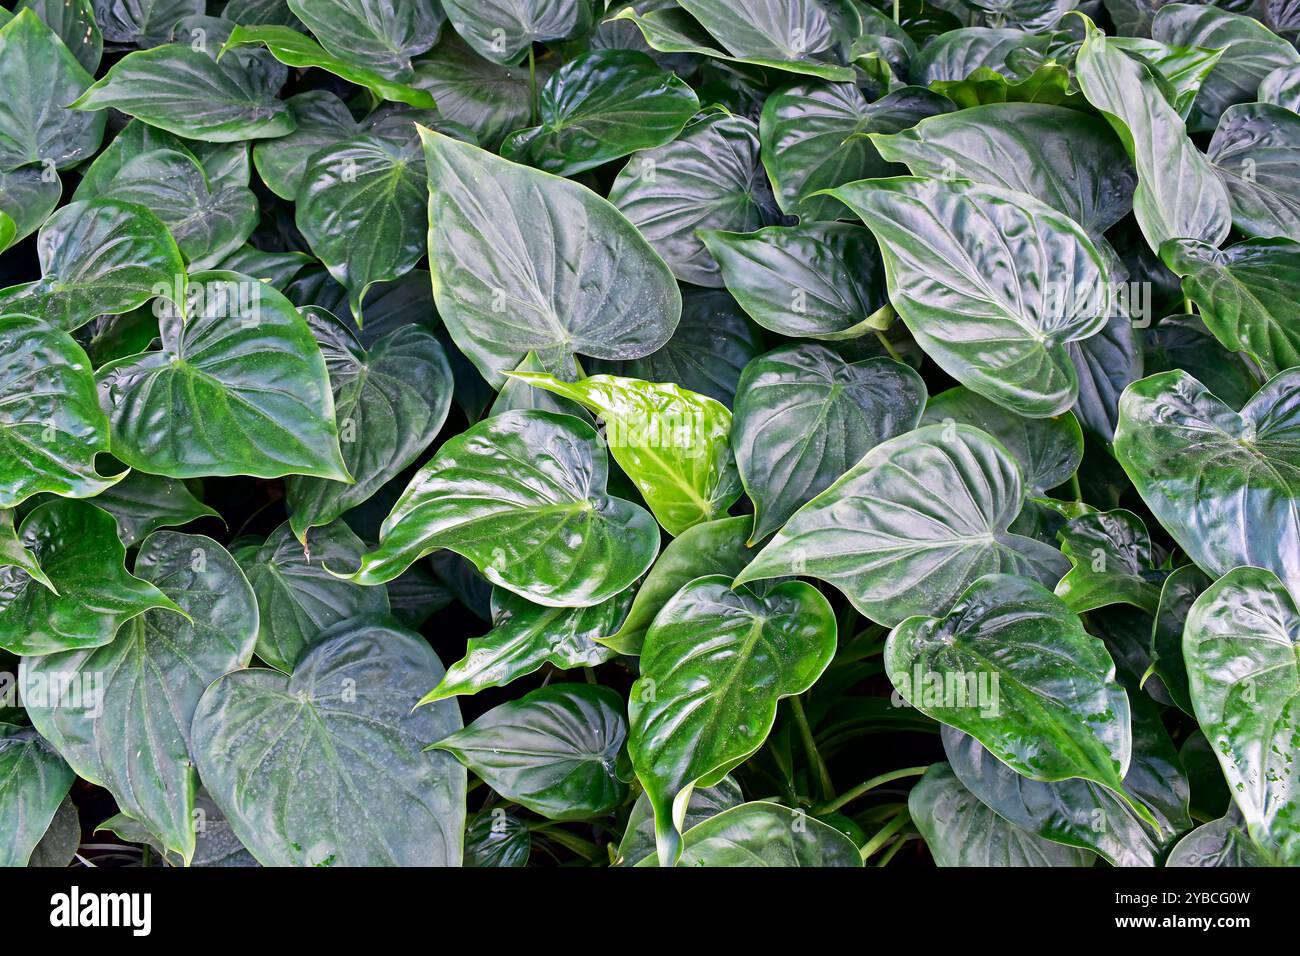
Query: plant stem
point(1074, 487)
point(532, 85)
point(882, 836)
point(893, 352)
point(815, 762)
point(896, 18)
point(850, 795)
point(1187, 305)
point(889, 854)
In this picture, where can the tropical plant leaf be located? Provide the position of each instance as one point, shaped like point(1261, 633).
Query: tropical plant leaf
point(87, 595)
point(672, 443)
point(1244, 674)
point(1222, 483)
point(552, 751)
point(1114, 563)
point(504, 288)
point(132, 736)
point(34, 781)
point(349, 703)
point(240, 381)
point(298, 600)
point(912, 525)
point(714, 664)
point(523, 497)
point(804, 416)
point(993, 284)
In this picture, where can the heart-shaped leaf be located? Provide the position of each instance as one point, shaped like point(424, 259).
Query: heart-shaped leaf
point(489, 98)
point(1256, 150)
point(240, 382)
point(501, 32)
point(1113, 560)
point(187, 92)
point(672, 443)
point(34, 779)
point(208, 224)
point(1011, 645)
point(1082, 814)
point(390, 403)
point(297, 598)
point(133, 737)
point(1048, 449)
point(100, 257)
point(1281, 87)
point(1226, 486)
point(715, 547)
point(804, 416)
point(321, 119)
point(601, 106)
point(294, 49)
point(88, 594)
point(1242, 648)
point(52, 426)
point(1246, 295)
point(960, 830)
point(526, 637)
point(521, 495)
point(1071, 162)
point(993, 284)
point(764, 834)
point(1178, 193)
point(912, 525)
point(714, 664)
point(40, 78)
point(821, 281)
point(382, 36)
point(361, 208)
point(707, 178)
point(813, 137)
point(143, 23)
point(552, 751)
point(377, 797)
point(590, 285)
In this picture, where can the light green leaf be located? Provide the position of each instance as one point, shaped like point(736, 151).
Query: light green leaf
point(1113, 560)
point(671, 442)
point(764, 834)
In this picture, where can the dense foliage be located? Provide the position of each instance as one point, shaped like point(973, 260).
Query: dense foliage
point(712, 432)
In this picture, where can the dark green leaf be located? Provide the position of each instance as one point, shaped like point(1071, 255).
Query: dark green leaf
point(502, 31)
point(382, 36)
point(911, 526)
point(133, 736)
point(764, 834)
point(552, 751)
point(298, 599)
point(804, 416)
point(376, 797)
point(600, 107)
point(34, 780)
point(1113, 560)
point(89, 596)
point(714, 664)
point(523, 497)
point(240, 382)
point(993, 284)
